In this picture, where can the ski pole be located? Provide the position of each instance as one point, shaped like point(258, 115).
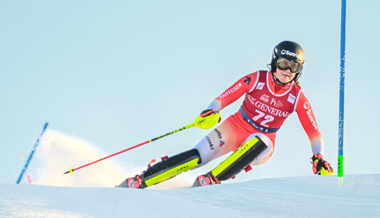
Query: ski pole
point(200, 122)
point(31, 154)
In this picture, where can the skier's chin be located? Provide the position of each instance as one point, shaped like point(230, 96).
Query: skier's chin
point(284, 80)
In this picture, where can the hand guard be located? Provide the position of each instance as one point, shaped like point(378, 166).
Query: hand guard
point(209, 112)
point(319, 163)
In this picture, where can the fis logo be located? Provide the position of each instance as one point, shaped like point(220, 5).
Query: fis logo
point(260, 86)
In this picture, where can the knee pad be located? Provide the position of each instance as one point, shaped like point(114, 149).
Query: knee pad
point(172, 166)
point(240, 159)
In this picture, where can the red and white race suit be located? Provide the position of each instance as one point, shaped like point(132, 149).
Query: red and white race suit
point(264, 110)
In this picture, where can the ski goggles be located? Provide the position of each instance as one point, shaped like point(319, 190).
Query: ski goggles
point(284, 64)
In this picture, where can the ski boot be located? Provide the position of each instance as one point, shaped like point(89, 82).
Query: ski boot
point(138, 180)
point(205, 180)
point(134, 182)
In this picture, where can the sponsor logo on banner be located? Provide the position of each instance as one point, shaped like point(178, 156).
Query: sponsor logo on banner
point(291, 98)
point(265, 98)
point(260, 86)
point(221, 143)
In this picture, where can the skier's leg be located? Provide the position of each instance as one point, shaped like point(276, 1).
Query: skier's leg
point(267, 153)
point(217, 143)
point(222, 140)
point(164, 170)
point(172, 166)
point(257, 148)
point(210, 147)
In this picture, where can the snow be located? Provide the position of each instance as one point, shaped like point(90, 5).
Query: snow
point(91, 192)
point(308, 196)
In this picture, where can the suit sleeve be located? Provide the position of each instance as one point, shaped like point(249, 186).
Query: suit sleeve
point(234, 92)
point(309, 123)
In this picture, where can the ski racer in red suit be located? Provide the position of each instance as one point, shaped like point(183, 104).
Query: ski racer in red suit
point(270, 97)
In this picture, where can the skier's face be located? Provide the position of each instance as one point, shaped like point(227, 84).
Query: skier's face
point(284, 76)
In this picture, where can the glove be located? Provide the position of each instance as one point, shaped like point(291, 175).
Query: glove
point(209, 112)
point(319, 163)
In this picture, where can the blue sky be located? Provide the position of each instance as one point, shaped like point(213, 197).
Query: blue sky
point(118, 73)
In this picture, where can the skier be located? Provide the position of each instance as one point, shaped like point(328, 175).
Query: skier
point(270, 97)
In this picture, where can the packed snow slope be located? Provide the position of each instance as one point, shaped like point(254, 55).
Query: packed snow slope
point(310, 196)
point(91, 192)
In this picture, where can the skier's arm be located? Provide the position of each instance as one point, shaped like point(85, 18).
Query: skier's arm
point(216, 104)
point(234, 92)
point(309, 123)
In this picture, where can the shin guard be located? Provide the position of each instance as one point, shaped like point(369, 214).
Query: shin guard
point(240, 159)
point(172, 166)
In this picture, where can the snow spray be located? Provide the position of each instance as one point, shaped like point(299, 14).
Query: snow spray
point(58, 151)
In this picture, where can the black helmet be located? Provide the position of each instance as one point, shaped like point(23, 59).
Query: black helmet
point(290, 51)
